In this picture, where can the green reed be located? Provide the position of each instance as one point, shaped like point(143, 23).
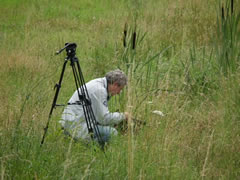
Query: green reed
point(228, 37)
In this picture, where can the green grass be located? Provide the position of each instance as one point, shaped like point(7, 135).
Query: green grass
point(179, 67)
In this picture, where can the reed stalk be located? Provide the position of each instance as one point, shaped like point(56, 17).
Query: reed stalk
point(130, 127)
point(203, 173)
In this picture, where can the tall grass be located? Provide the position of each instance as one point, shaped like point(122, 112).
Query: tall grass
point(173, 66)
point(227, 37)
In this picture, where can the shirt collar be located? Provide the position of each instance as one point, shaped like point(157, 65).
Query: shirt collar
point(105, 84)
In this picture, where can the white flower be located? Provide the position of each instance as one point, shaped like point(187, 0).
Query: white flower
point(158, 113)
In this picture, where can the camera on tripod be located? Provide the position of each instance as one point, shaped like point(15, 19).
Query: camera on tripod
point(70, 49)
point(84, 99)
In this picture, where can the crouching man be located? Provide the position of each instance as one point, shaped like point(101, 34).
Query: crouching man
point(100, 90)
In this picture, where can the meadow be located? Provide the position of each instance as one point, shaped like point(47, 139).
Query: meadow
point(181, 57)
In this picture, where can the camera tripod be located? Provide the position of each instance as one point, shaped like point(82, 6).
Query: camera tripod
point(82, 91)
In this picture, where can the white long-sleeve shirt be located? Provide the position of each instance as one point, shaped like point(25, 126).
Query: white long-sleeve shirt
point(73, 119)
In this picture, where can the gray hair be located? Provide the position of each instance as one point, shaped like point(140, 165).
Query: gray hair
point(116, 76)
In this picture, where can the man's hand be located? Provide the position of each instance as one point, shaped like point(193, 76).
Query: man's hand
point(123, 125)
point(126, 115)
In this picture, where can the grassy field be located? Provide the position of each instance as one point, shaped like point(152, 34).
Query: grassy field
point(185, 64)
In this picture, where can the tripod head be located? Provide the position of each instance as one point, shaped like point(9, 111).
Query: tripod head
point(70, 49)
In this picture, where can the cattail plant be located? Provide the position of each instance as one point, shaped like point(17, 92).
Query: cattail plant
point(125, 35)
point(228, 38)
point(134, 38)
point(232, 6)
point(128, 59)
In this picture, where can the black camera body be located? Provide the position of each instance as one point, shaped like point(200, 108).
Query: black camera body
point(71, 49)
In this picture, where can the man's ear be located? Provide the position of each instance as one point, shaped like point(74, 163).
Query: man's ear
point(115, 84)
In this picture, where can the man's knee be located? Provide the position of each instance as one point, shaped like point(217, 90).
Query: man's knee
point(114, 131)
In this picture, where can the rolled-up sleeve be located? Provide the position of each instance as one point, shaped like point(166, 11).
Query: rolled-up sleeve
point(101, 111)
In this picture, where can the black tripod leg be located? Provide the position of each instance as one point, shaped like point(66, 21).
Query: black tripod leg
point(58, 86)
point(87, 108)
point(79, 82)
